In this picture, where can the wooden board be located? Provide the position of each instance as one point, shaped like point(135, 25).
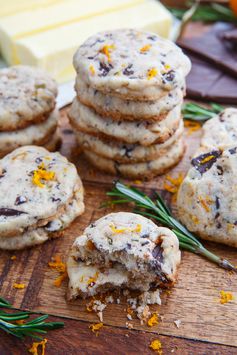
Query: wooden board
point(194, 300)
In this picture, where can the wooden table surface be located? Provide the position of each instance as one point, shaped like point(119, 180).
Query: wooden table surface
point(207, 327)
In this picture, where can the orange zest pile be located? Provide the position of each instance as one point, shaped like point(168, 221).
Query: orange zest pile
point(96, 327)
point(156, 346)
point(59, 266)
point(172, 184)
point(153, 320)
point(192, 126)
point(152, 73)
point(226, 297)
point(42, 174)
point(34, 348)
point(19, 286)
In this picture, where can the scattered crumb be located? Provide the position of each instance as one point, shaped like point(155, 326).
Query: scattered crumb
point(19, 286)
point(226, 297)
point(13, 257)
point(129, 325)
point(34, 348)
point(99, 307)
point(129, 316)
point(153, 320)
point(177, 323)
point(156, 346)
point(109, 299)
point(118, 300)
point(96, 327)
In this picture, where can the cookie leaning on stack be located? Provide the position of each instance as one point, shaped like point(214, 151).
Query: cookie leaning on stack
point(122, 250)
point(44, 195)
point(27, 109)
point(127, 113)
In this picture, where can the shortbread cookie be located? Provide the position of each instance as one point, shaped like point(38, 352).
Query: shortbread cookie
point(27, 95)
point(127, 153)
point(145, 133)
point(220, 131)
point(207, 198)
point(143, 170)
point(147, 252)
point(38, 134)
point(116, 108)
point(131, 64)
point(44, 195)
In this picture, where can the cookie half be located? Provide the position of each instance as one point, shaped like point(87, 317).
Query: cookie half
point(127, 153)
point(45, 194)
point(143, 170)
point(131, 64)
point(27, 95)
point(145, 133)
point(137, 249)
point(121, 109)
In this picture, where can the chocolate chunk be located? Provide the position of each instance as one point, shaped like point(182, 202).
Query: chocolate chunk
point(38, 160)
point(127, 151)
point(67, 131)
point(217, 203)
point(220, 170)
point(127, 71)
point(105, 69)
point(157, 253)
point(218, 86)
point(232, 150)
point(9, 212)
point(211, 47)
point(20, 200)
point(204, 162)
point(169, 76)
point(2, 173)
point(53, 199)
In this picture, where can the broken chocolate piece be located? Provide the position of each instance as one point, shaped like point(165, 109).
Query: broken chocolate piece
point(204, 162)
point(20, 200)
point(9, 212)
point(157, 253)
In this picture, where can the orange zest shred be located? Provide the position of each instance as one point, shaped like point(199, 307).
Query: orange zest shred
point(167, 67)
point(96, 327)
point(172, 184)
point(153, 320)
point(204, 204)
point(145, 48)
point(137, 182)
point(115, 230)
point(58, 265)
point(152, 73)
point(192, 126)
point(226, 297)
point(93, 279)
point(42, 174)
point(13, 257)
point(19, 286)
point(156, 346)
point(92, 69)
point(20, 321)
point(34, 348)
point(130, 311)
point(106, 50)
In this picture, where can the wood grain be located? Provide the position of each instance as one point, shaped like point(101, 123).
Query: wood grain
point(77, 339)
point(194, 300)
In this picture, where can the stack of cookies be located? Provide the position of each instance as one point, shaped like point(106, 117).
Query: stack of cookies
point(122, 250)
point(127, 113)
point(27, 109)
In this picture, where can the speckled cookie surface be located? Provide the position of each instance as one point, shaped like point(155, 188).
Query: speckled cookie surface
point(207, 198)
point(142, 248)
point(131, 64)
point(126, 153)
point(143, 132)
point(121, 109)
point(27, 95)
point(143, 170)
point(40, 185)
point(38, 134)
point(221, 131)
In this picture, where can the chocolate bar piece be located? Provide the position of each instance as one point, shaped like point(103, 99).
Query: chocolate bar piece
point(211, 47)
point(207, 83)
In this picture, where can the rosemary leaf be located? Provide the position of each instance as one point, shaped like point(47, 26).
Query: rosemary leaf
point(198, 113)
point(160, 212)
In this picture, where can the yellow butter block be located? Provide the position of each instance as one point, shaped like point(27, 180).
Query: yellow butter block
point(43, 19)
point(53, 49)
point(11, 7)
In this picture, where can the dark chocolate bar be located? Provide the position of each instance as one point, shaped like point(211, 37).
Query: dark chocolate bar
point(211, 47)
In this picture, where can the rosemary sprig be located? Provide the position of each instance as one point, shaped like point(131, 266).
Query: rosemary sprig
point(198, 113)
point(33, 328)
point(158, 211)
point(207, 13)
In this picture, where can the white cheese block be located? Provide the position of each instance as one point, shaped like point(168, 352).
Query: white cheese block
point(53, 49)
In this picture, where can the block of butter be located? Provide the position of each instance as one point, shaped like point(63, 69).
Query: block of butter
point(48, 37)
